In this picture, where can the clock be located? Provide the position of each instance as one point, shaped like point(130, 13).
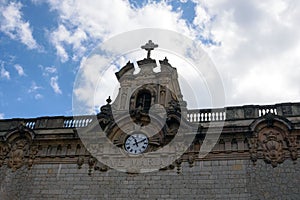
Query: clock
point(136, 143)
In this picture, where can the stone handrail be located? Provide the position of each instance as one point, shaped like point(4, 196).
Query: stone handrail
point(80, 121)
point(243, 112)
point(205, 115)
point(193, 115)
point(262, 110)
point(30, 123)
point(48, 122)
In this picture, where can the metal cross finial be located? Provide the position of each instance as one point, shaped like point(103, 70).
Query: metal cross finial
point(149, 47)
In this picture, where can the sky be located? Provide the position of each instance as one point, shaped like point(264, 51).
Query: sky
point(254, 46)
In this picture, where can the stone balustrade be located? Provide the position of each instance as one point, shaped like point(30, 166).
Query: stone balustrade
point(81, 121)
point(242, 112)
point(48, 122)
point(206, 115)
point(193, 115)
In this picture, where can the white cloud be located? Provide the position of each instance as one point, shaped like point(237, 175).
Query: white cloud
point(19, 69)
point(258, 53)
point(48, 70)
point(51, 70)
point(62, 36)
point(52, 73)
point(2, 115)
point(84, 24)
point(54, 85)
point(91, 75)
point(4, 73)
point(34, 87)
point(38, 96)
point(14, 26)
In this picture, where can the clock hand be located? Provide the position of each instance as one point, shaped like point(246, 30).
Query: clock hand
point(135, 141)
point(141, 140)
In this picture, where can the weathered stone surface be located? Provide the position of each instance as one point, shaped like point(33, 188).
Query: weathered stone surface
point(237, 179)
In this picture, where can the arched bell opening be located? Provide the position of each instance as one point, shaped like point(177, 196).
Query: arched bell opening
point(143, 101)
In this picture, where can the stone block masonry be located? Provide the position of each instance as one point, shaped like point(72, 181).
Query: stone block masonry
point(223, 179)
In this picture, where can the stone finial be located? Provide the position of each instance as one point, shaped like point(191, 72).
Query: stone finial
point(149, 47)
point(108, 100)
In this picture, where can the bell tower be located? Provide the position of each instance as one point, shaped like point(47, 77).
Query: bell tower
point(147, 111)
point(147, 88)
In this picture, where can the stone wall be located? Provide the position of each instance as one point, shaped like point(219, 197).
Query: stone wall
point(51, 147)
point(226, 179)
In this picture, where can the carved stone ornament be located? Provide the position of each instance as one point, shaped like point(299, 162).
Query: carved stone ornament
point(32, 154)
point(4, 150)
point(174, 106)
point(253, 149)
point(17, 154)
point(271, 141)
point(293, 147)
point(105, 116)
point(17, 148)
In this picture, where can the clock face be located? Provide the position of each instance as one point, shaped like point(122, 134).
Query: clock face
point(136, 143)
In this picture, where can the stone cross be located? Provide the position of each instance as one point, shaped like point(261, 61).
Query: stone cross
point(149, 47)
